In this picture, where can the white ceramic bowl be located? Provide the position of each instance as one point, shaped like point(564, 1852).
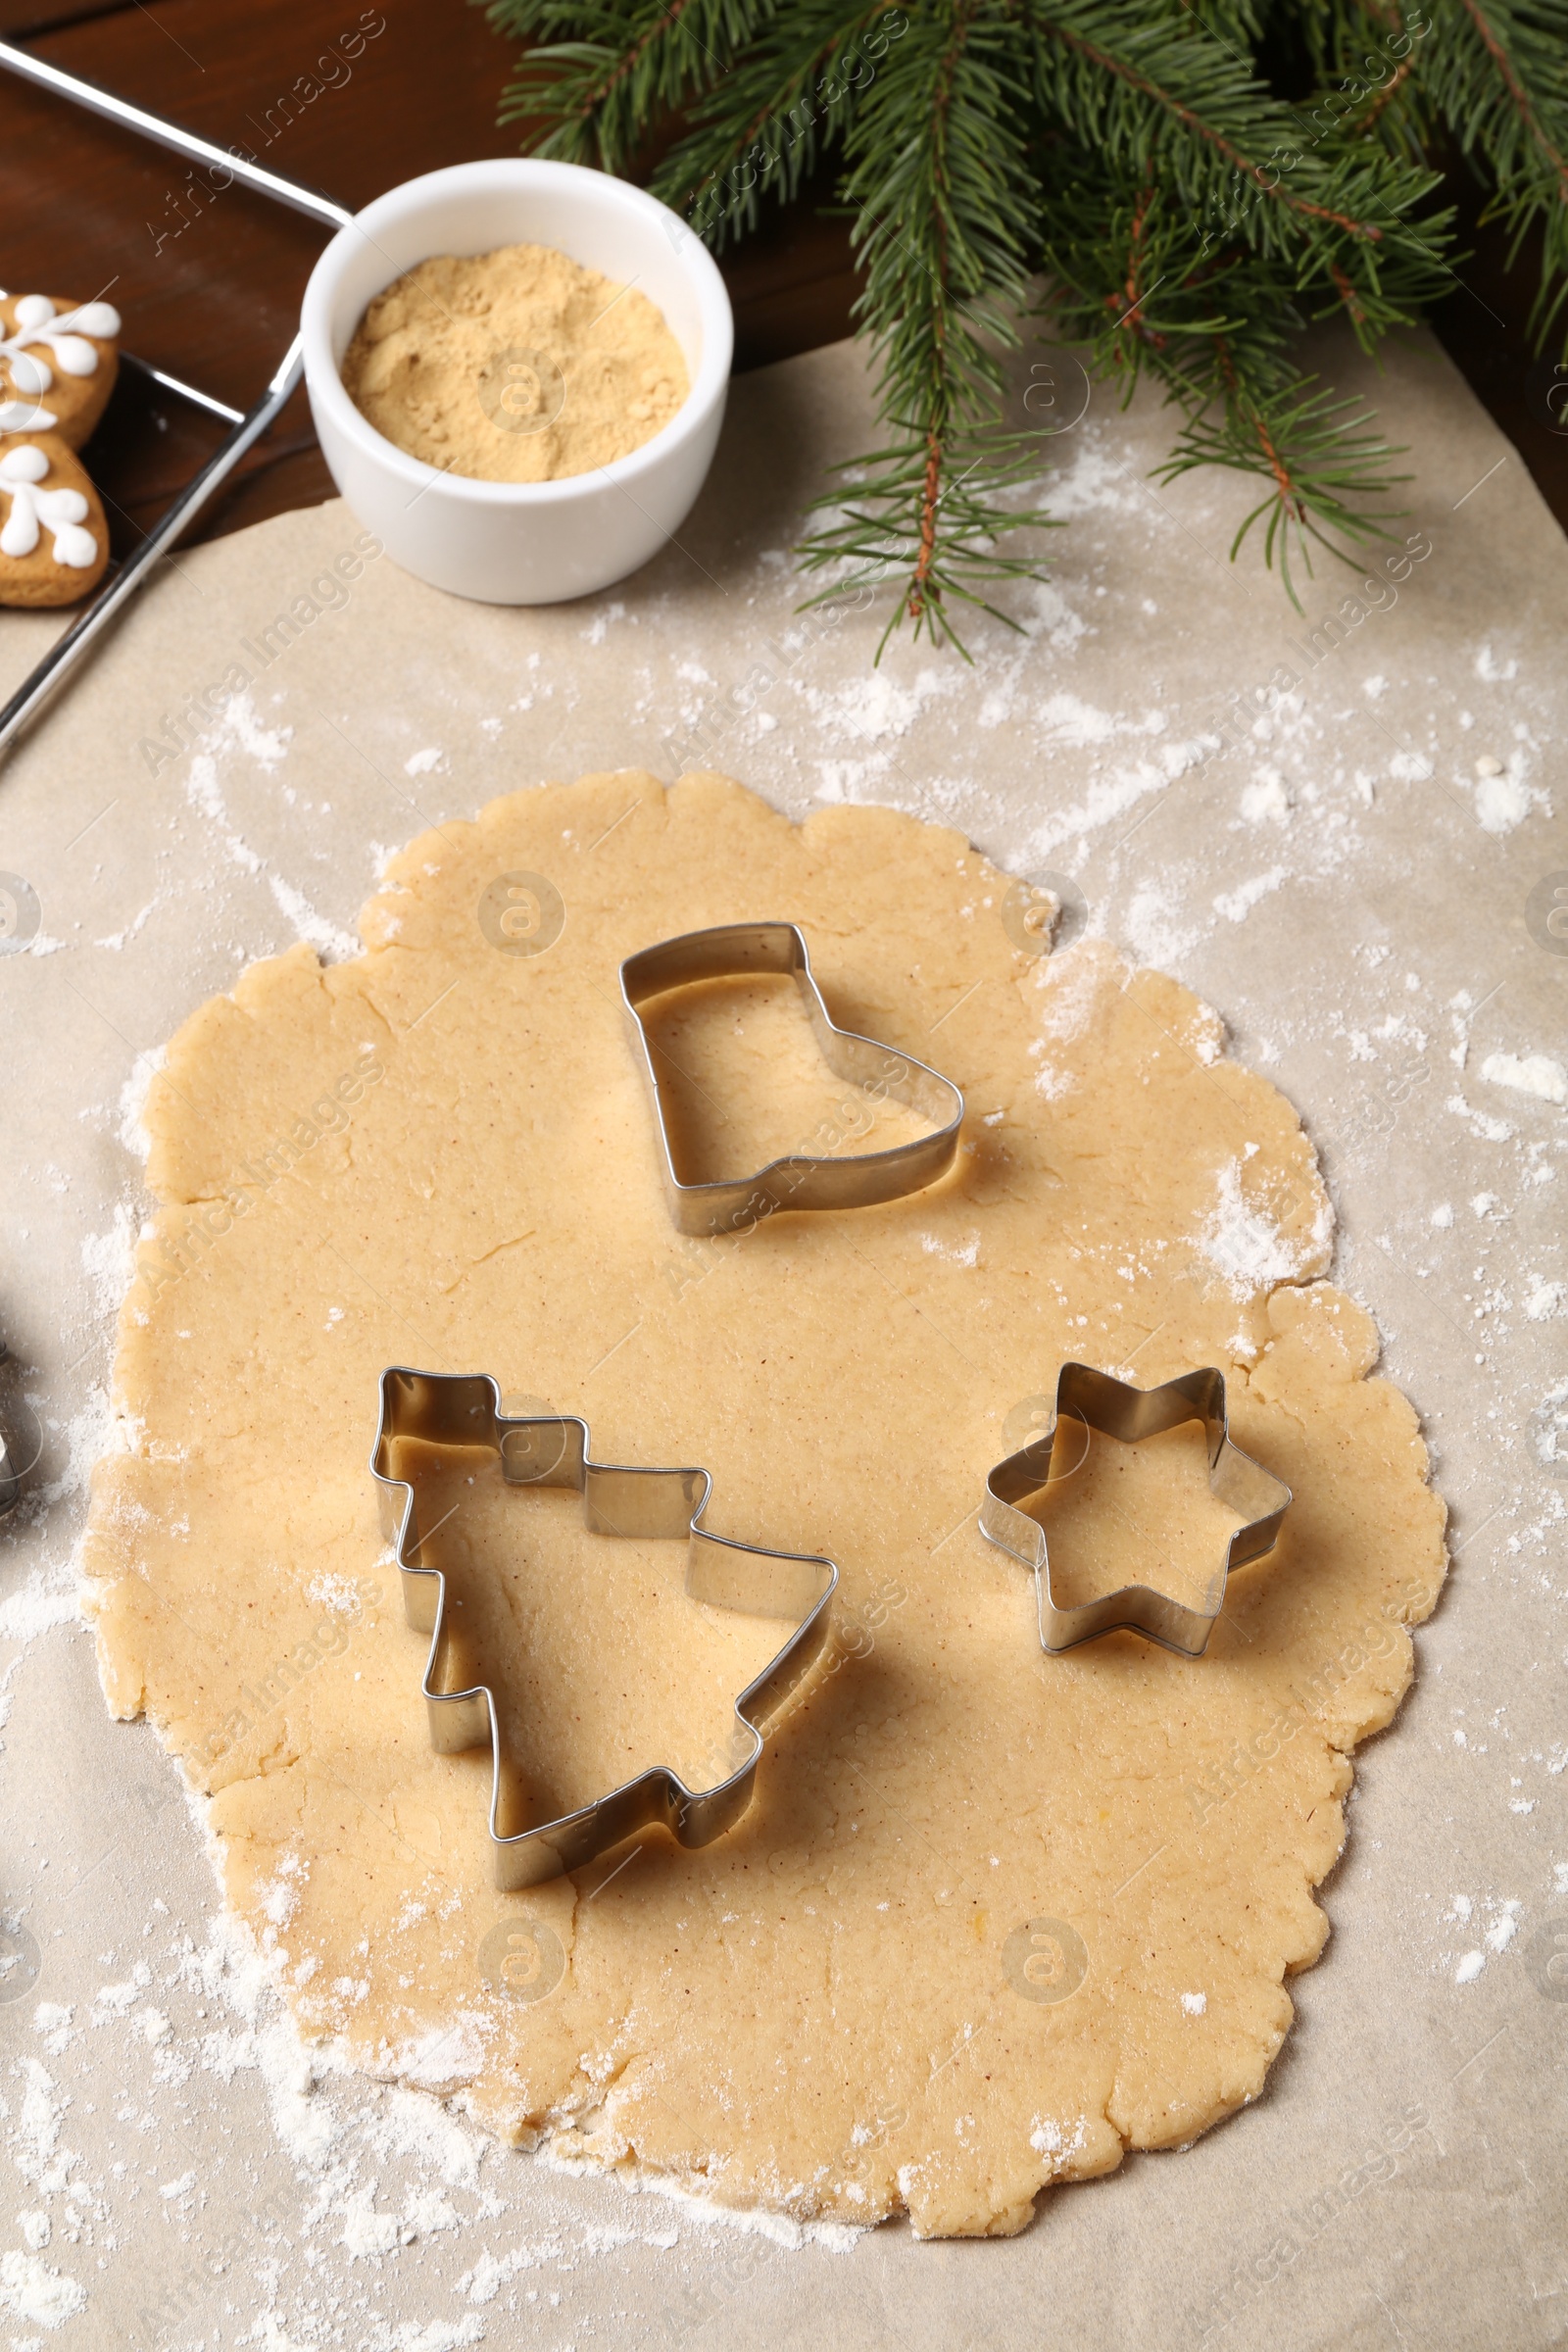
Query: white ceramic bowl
point(521, 543)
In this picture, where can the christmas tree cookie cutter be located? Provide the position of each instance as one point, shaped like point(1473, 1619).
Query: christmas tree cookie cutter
point(1097, 1401)
point(800, 1180)
point(463, 1409)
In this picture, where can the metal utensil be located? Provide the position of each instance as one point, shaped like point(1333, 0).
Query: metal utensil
point(801, 1179)
point(247, 428)
point(463, 1409)
point(1097, 1400)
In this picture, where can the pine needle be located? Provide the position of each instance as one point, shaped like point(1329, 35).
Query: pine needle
point(1190, 217)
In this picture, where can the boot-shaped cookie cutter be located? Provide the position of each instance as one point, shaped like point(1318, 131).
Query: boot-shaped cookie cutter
point(801, 1179)
point(1087, 1400)
point(552, 1451)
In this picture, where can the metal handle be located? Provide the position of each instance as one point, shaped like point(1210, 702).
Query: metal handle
point(68, 649)
point(180, 389)
point(169, 134)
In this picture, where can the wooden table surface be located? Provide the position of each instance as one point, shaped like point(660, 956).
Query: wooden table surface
point(210, 283)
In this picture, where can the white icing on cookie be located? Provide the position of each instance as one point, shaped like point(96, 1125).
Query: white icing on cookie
point(25, 417)
point(65, 333)
point(60, 512)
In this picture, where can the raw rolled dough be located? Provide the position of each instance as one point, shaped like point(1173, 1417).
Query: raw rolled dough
point(994, 1917)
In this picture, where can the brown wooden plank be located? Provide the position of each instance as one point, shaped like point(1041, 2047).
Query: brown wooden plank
point(24, 20)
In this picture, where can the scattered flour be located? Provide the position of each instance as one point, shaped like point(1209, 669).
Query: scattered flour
point(120, 939)
point(965, 1253)
point(1067, 718)
point(1504, 1913)
point(874, 710)
point(1109, 798)
point(1096, 482)
point(241, 725)
point(31, 2290)
point(1532, 1074)
point(239, 729)
point(108, 1261)
point(132, 1131)
point(436, 2335)
point(1236, 905)
point(595, 633)
point(1501, 1934)
point(1501, 802)
point(1047, 2138)
point(1482, 1123)
point(330, 944)
point(1266, 801)
point(1249, 1248)
point(1156, 925)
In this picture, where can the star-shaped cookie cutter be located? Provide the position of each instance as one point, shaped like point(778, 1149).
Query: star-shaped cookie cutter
point(552, 1451)
point(800, 1179)
point(1117, 1409)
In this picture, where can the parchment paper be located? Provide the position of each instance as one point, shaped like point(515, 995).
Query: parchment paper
point(1330, 868)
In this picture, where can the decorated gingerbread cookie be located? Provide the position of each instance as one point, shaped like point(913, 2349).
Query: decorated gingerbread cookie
point(57, 364)
point(54, 542)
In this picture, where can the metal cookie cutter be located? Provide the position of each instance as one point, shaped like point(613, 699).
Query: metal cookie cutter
point(552, 1451)
point(801, 1179)
point(1118, 1411)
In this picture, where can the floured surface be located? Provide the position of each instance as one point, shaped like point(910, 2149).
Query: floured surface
point(1366, 935)
point(825, 2012)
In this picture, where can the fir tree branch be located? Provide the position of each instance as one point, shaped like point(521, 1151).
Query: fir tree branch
point(1154, 64)
point(913, 515)
point(942, 227)
point(792, 94)
point(1322, 463)
point(1385, 95)
point(616, 65)
point(1530, 121)
point(1194, 220)
point(1337, 213)
point(1215, 328)
point(1498, 72)
point(1371, 49)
